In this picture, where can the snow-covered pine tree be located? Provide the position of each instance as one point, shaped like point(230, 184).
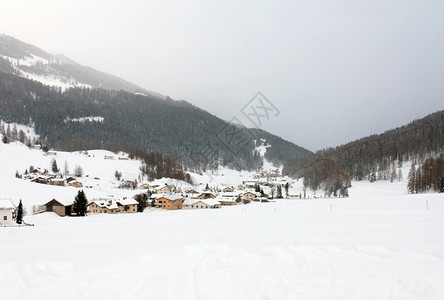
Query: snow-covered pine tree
point(54, 166)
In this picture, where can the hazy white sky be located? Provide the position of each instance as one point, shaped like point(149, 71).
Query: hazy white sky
point(337, 70)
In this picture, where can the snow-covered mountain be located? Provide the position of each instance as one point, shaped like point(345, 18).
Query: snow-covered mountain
point(31, 62)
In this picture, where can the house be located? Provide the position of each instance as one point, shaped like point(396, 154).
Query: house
point(191, 192)
point(162, 190)
point(147, 186)
point(41, 179)
point(240, 187)
point(170, 202)
point(58, 207)
point(75, 183)
point(260, 199)
point(109, 156)
point(228, 189)
point(206, 195)
point(206, 203)
point(248, 196)
point(201, 203)
point(57, 182)
point(112, 206)
point(293, 196)
point(7, 210)
point(227, 201)
point(231, 195)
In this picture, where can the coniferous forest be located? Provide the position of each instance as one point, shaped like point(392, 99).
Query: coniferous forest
point(379, 157)
point(162, 132)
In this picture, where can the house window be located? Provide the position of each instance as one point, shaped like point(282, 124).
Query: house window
point(5, 218)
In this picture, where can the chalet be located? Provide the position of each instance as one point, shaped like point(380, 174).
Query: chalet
point(70, 178)
point(201, 203)
point(228, 189)
point(260, 199)
point(191, 191)
point(231, 195)
point(163, 190)
point(293, 196)
point(240, 187)
point(248, 196)
point(227, 201)
point(109, 156)
point(206, 195)
point(170, 202)
point(206, 203)
point(57, 182)
point(38, 171)
point(7, 210)
point(147, 186)
point(58, 207)
point(76, 184)
point(112, 206)
point(41, 179)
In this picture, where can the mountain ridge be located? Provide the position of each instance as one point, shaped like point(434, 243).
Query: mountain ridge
point(29, 61)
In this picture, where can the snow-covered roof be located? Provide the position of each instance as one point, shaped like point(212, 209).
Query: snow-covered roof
point(173, 197)
point(231, 194)
point(6, 204)
point(155, 196)
point(106, 203)
point(209, 202)
point(63, 201)
point(128, 201)
point(227, 199)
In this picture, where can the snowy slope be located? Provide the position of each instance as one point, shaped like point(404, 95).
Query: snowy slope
point(380, 243)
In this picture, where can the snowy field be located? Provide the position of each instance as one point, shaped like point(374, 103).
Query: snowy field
point(380, 243)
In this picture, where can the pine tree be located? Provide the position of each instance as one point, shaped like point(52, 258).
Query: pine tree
point(80, 204)
point(19, 217)
point(411, 184)
point(442, 185)
point(54, 166)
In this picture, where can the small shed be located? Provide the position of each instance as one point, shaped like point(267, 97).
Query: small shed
point(58, 207)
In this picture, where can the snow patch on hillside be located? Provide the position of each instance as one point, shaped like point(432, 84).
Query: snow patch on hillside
point(261, 148)
point(32, 60)
point(85, 119)
point(52, 80)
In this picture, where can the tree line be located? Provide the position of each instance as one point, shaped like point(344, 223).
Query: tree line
point(377, 157)
point(427, 177)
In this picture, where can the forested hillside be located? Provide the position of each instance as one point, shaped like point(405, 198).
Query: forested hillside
point(130, 122)
point(377, 156)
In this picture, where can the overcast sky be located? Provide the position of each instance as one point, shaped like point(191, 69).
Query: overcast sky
point(337, 70)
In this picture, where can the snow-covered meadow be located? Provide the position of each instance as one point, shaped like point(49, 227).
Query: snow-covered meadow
point(380, 243)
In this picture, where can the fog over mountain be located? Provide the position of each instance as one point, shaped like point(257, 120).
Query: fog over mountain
point(336, 70)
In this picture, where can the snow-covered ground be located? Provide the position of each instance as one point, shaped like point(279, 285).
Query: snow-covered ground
point(380, 243)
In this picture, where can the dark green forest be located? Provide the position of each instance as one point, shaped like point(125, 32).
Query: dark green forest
point(135, 123)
